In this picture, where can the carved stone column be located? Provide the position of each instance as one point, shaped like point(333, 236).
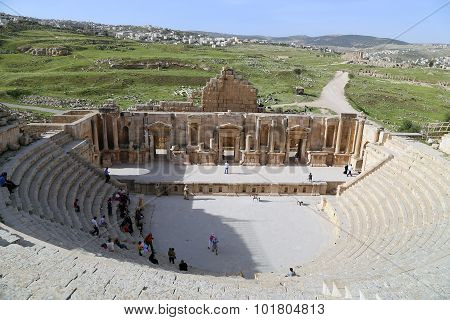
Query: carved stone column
point(115, 134)
point(325, 134)
point(248, 140)
point(303, 150)
point(95, 134)
point(257, 134)
point(288, 147)
point(188, 134)
point(236, 148)
point(152, 146)
point(105, 133)
point(199, 135)
point(271, 137)
point(359, 135)
point(337, 148)
point(146, 144)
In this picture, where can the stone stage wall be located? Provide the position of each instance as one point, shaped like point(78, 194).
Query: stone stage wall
point(176, 188)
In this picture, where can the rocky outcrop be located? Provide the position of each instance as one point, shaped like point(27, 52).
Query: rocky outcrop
point(148, 64)
point(58, 102)
point(51, 51)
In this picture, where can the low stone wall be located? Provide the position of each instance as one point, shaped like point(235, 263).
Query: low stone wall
point(444, 146)
point(9, 138)
point(176, 188)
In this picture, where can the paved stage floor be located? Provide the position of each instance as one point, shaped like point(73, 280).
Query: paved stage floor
point(167, 172)
point(271, 235)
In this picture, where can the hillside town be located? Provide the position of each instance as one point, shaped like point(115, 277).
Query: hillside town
point(386, 57)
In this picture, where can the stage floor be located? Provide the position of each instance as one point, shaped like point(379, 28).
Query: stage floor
point(271, 235)
point(167, 172)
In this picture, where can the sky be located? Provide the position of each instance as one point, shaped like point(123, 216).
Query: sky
point(380, 18)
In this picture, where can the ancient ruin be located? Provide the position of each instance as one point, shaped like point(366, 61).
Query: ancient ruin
point(387, 224)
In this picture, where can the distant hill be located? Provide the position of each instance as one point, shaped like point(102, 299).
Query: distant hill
point(346, 41)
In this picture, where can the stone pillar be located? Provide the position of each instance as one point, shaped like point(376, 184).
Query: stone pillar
point(152, 146)
point(271, 139)
point(325, 134)
point(115, 134)
point(288, 147)
point(105, 133)
point(188, 134)
point(220, 149)
point(338, 137)
point(146, 139)
point(172, 134)
point(359, 135)
point(257, 134)
point(303, 149)
point(248, 140)
point(95, 133)
point(236, 148)
point(199, 135)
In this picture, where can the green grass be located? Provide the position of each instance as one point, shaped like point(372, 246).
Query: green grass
point(391, 103)
point(80, 76)
point(274, 70)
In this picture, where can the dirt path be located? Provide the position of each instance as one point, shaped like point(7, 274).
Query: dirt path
point(41, 109)
point(332, 96)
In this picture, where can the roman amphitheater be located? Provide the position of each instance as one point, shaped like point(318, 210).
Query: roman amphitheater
point(381, 233)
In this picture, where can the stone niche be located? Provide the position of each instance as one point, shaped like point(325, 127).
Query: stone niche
point(228, 91)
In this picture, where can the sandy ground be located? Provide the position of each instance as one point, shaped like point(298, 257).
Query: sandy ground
point(271, 235)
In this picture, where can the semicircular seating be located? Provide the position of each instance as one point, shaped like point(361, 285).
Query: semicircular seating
point(391, 226)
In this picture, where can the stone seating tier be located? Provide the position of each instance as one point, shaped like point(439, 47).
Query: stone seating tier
point(391, 226)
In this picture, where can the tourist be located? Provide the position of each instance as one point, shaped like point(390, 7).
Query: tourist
point(310, 177)
point(140, 247)
point(172, 255)
point(346, 169)
point(110, 206)
point(291, 273)
point(149, 241)
point(152, 259)
point(138, 217)
point(110, 245)
point(96, 231)
point(107, 176)
point(212, 236)
point(102, 222)
point(76, 206)
point(226, 167)
point(183, 266)
point(4, 182)
point(120, 245)
point(215, 246)
point(186, 192)
point(350, 169)
point(141, 205)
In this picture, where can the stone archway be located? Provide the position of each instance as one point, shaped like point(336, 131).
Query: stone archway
point(159, 134)
point(229, 140)
point(296, 144)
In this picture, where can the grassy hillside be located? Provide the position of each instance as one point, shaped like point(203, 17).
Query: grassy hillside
point(86, 73)
point(274, 70)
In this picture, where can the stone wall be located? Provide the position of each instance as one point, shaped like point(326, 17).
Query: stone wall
point(228, 91)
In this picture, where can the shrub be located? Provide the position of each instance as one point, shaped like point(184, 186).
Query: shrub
point(17, 93)
point(447, 116)
point(408, 126)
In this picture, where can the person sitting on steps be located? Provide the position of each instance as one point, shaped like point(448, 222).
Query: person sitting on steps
point(4, 182)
